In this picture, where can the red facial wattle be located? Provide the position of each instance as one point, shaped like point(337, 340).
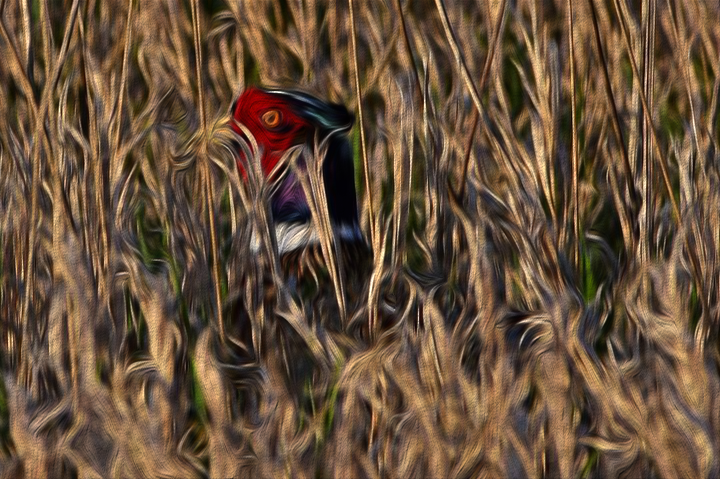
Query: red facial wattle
point(279, 120)
point(272, 122)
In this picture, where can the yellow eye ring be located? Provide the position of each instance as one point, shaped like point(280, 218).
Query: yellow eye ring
point(272, 118)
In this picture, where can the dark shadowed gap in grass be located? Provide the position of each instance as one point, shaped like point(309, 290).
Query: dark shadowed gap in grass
point(695, 309)
point(307, 398)
point(151, 240)
point(35, 11)
point(57, 16)
point(515, 53)
point(14, 98)
point(176, 281)
point(671, 121)
point(102, 372)
point(2, 275)
point(213, 7)
point(308, 288)
point(198, 399)
point(675, 180)
point(357, 162)
point(331, 399)
point(606, 224)
point(5, 439)
point(198, 413)
point(700, 68)
point(593, 270)
point(565, 136)
point(387, 187)
point(593, 461)
point(608, 327)
point(279, 24)
point(627, 73)
point(321, 12)
point(225, 230)
point(588, 284)
point(135, 323)
point(251, 69)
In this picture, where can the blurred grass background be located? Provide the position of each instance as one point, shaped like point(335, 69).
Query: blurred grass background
point(539, 186)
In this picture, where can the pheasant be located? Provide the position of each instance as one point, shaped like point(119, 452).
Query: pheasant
point(282, 119)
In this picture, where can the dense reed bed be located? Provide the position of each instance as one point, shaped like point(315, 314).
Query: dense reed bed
point(539, 186)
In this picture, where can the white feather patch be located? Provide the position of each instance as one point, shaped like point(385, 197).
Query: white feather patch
point(292, 236)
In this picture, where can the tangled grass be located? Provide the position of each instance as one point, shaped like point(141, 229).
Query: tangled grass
point(539, 186)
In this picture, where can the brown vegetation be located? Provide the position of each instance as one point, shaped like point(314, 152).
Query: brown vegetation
point(539, 185)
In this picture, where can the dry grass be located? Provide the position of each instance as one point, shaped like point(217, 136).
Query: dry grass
point(539, 186)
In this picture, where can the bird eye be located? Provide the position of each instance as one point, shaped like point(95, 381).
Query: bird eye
point(272, 118)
